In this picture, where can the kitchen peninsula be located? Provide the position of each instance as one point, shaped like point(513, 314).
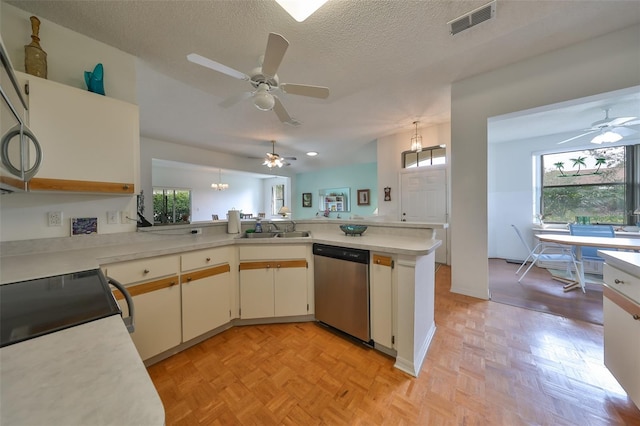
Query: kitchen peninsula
point(411, 246)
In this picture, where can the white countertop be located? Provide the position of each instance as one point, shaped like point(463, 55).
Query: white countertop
point(85, 375)
point(26, 265)
point(626, 261)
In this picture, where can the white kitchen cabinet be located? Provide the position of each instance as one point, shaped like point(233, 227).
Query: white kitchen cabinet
point(381, 299)
point(90, 143)
point(622, 329)
point(206, 291)
point(273, 288)
point(157, 315)
point(154, 286)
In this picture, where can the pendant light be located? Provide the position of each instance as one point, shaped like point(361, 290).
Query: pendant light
point(416, 140)
point(220, 186)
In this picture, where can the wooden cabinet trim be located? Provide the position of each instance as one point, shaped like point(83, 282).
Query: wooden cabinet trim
point(45, 184)
point(136, 290)
point(300, 263)
point(209, 272)
point(382, 260)
point(627, 304)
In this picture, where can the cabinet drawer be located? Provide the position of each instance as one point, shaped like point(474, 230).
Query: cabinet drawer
point(203, 258)
point(622, 282)
point(268, 251)
point(143, 269)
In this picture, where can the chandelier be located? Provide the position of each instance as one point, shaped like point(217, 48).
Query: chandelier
point(220, 186)
point(416, 140)
point(273, 159)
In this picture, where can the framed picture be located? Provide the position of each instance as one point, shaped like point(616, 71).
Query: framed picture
point(84, 225)
point(306, 199)
point(363, 197)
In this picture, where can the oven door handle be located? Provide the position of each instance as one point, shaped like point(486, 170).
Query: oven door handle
point(128, 321)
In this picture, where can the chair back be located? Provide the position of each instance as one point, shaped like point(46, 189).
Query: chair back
point(524, 242)
point(592, 231)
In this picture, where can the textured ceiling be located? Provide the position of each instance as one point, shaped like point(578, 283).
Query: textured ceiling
point(386, 62)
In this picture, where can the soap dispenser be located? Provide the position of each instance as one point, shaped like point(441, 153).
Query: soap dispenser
point(258, 225)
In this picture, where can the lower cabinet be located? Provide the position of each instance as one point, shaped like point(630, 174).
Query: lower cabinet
point(621, 318)
point(205, 300)
point(273, 288)
point(157, 315)
point(381, 299)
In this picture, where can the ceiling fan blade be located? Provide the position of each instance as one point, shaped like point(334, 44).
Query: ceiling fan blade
point(276, 48)
point(633, 122)
point(306, 90)
point(290, 158)
point(231, 101)
point(282, 113)
point(576, 137)
point(216, 66)
point(621, 121)
point(624, 131)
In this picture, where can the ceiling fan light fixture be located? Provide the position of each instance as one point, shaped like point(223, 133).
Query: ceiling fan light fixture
point(416, 140)
point(606, 137)
point(273, 159)
point(301, 9)
point(262, 99)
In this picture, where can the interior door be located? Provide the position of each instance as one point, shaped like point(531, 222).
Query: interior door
point(423, 198)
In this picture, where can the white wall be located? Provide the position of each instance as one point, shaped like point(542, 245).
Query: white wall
point(562, 75)
point(390, 148)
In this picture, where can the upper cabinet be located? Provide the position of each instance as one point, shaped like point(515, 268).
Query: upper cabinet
point(90, 143)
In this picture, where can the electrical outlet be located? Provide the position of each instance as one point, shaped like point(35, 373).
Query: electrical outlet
point(54, 218)
point(112, 217)
point(125, 217)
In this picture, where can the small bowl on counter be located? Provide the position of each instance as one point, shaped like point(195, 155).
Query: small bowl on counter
point(353, 230)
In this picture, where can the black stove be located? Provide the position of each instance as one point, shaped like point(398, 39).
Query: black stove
point(37, 307)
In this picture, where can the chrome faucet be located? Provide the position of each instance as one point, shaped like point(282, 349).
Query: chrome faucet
point(286, 228)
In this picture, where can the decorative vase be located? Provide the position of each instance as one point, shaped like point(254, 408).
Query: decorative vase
point(95, 80)
point(35, 59)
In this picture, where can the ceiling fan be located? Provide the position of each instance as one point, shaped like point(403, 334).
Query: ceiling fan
point(609, 129)
point(265, 81)
point(275, 160)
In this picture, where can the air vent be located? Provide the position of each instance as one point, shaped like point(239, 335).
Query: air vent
point(472, 18)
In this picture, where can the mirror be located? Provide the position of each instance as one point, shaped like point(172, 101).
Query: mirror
point(335, 199)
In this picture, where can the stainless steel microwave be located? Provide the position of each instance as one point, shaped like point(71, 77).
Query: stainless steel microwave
point(20, 152)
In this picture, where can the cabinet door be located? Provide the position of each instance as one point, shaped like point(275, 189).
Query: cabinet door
point(622, 341)
point(85, 137)
point(205, 301)
point(157, 316)
point(381, 300)
point(256, 293)
point(290, 286)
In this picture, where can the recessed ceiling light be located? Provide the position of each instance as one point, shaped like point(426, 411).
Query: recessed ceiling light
point(312, 153)
point(300, 9)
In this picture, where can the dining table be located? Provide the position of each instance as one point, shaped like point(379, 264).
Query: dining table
point(578, 241)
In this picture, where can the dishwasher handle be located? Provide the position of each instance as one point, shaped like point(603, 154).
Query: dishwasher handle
point(128, 321)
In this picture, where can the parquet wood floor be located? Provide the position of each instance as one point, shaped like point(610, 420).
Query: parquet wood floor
point(489, 364)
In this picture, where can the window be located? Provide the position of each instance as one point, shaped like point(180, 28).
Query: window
point(427, 157)
point(277, 198)
point(601, 184)
point(171, 205)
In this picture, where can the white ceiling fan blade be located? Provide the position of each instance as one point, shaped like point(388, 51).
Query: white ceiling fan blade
point(576, 137)
point(282, 113)
point(216, 66)
point(621, 120)
point(624, 131)
point(634, 121)
point(306, 90)
point(276, 48)
point(231, 101)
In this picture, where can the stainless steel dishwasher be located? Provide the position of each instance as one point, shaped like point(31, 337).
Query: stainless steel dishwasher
point(341, 280)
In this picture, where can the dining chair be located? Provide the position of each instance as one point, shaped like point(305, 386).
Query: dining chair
point(591, 253)
point(556, 253)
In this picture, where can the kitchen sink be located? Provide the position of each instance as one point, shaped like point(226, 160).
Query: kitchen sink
point(293, 234)
point(258, 235)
